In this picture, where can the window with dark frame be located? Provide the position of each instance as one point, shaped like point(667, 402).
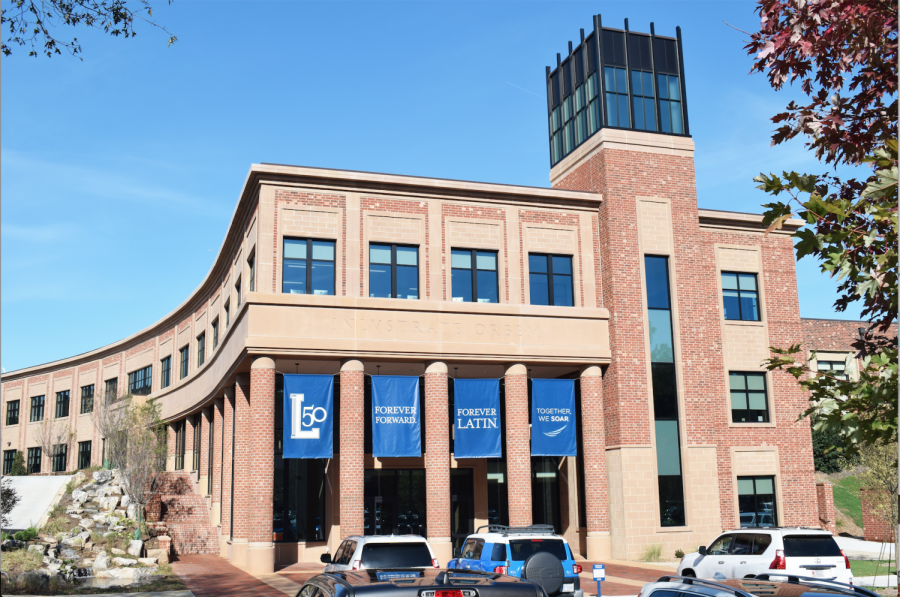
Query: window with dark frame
point(251, 267)
point(34, 460)
point(62, 404)
point(84, 455)
point(215, 331)
point(550, 280)
point(87, 399)
point(393, 271)
point(60, 458)
point(756, 501)
point(307, 266)
point(184, 354)
point(197, 432)
point(616, 80)
point(749, 403)
point(179, 445)
point(670, 120)
point(9, 456)
point(37, 409)
point(836, 369)
point(111, 389)
point(643, 100)
point(201, 349)
point(740, 296)
point(473, 276)
point(140, 382)
point(12, 412)
point(165, 375)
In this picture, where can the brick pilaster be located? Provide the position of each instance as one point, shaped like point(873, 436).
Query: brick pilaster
point(595, 480)
point(228, 462)
point(189, 443)
point(437, 460)
point(217, 422)
point(518, 446)
point(205, 424)
point(352, 465)
point(241, 498)
point(261, 441)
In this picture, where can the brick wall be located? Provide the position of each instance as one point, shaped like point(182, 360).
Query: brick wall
point(351, 457)
point(242, 440)
point(518, 449)
point(437, 455)
point(825, 500)
point(875, 527)
point(261, 474)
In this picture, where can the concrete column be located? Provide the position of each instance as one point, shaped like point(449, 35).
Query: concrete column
point(241, 500)
point(518, 446)
point(352, 446)
point(437, 461)
point(599, 543)
point(261, 547)
point(227, 472)
point(203, 476)
point(218, 410)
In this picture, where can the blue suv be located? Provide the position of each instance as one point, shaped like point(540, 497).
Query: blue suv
point(534, 553)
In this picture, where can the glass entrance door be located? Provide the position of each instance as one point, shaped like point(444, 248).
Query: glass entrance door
point(395, 502)
point(462, 506)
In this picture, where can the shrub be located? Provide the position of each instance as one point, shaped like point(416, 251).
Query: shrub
point(29, 534)
point(652, 552)
point(679, 553)
point(18, 465)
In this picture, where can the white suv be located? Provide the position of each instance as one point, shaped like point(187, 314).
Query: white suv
point(750, 551)
point(381, 552)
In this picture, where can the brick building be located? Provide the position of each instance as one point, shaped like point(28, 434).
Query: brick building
point(613, 277)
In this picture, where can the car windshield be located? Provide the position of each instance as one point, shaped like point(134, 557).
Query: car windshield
point(522, 548)
point(396, 555)
point(810, 546)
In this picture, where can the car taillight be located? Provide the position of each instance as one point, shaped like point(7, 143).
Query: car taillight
point(501, 569)
point(779, 562)
point(576, 568)
point(846, 560)
point(448, 593)
point(355, 565)
point(435, 563)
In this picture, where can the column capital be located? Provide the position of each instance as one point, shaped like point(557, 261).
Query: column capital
point(591, 371)
point(262, 363)
point(352, 365)
point(516, 369)
point(436, 367)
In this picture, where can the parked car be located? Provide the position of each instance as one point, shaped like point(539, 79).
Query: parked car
point(534, 553)
point(752, 551)
point(381, 551)
point(417, 583)
point(763, 585)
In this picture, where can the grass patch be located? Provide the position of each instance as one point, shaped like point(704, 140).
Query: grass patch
point(19, 561)
point(846, 499)
point(872, 567)
point(652, 552)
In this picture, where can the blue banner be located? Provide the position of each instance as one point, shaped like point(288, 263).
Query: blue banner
point(396, 421)
point(308, 416)
point(553, 417)
point(476, 418)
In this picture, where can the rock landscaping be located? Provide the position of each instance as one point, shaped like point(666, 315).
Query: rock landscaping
point(87, 541)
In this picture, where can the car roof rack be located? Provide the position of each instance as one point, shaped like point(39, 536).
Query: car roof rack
point(534, 529)
point(690, 580)
point(797, 579)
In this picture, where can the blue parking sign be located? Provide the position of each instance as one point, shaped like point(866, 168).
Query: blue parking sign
point(599, 572)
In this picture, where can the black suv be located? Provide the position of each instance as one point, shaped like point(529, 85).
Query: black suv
point(418, 583)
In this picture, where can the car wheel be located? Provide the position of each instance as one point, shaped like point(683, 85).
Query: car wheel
point(689, 573)
point(544, 569)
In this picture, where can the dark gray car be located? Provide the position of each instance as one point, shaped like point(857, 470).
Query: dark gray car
point(417, 583)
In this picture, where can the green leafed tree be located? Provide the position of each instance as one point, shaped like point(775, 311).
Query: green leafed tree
point(38, 24)
point(18, 467)
point(842, 55)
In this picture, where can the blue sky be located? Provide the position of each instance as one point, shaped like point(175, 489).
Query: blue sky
point(120, 172)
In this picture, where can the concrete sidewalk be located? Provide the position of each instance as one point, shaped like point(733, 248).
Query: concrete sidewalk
point(859, 549)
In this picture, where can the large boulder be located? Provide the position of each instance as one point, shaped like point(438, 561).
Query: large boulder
point(160, 555)
point(131, 511)
point(38, 547)
point(148, 561)
point(124, 561)
point(101, 562)
point(135, 547)
point(117, 552)
point(12, 545)
point(109, 502)
point(103, 476)
point(125, 501)
point(79, 496)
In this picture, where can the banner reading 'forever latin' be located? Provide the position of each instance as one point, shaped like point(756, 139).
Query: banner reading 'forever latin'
point(396, 421)
point(308, 416)
point(476, 418)
point(553, 417)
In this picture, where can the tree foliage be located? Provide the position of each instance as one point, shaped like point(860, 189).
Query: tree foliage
point(843, 55)
point(9, 497)
point(36, 23)
point(18, 467)
point(880, 479)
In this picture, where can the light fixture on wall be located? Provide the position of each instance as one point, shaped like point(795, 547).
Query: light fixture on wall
point(297, 365)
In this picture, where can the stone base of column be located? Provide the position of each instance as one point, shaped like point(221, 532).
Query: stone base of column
point(260, 558)
point(215, 514)
point(223, 545)
point(442, 548)
point(599, 546)
point(238, 551)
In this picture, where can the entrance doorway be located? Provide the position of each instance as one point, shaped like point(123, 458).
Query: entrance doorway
point(395, 502)
point(462, 506)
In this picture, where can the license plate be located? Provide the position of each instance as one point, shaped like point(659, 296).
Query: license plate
point(816, 573)
point(568, 587)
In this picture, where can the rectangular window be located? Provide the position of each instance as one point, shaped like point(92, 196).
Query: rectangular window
point(37, 409)
point(215, 330)
point(227, 313)
point(251, 266)
point(308, 266)
point(165, 376)
point(179, 445)
point(34, 460)
point(670, 120)
point(62, 404)
point(12, 412)
point(111, 390)
point(756, 501)
point(836, 369)
point(60, 457)
point(87, 399)
point(616, 82)
point(473, 276)
point(748, 398)
point(740, 296)
point(643, 100)
point(84, 455)
point(140, 381)
point(393, 271)
point(550, 280)
point(237, 292)
point(201, 349)
point(9, 457)
point(184, 354)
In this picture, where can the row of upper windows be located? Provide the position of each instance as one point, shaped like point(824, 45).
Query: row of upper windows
point(308, 267)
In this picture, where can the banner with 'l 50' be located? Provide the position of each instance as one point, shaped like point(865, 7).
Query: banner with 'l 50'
point(308, 416)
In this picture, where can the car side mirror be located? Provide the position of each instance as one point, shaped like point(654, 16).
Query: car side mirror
point(325, 558)
point(702, 550)
point(457, 552)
